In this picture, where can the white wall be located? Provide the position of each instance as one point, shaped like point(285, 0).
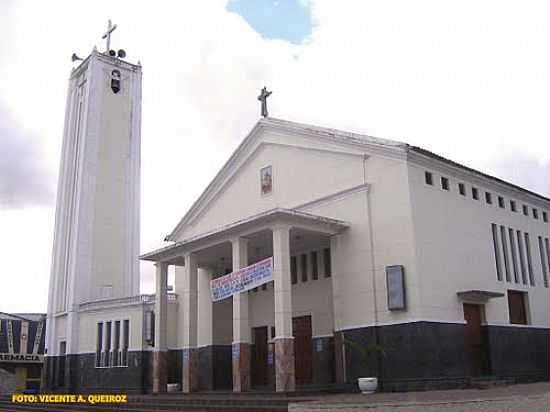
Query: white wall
point(454, 244)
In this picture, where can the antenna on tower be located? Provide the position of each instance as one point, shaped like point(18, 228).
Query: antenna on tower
point(74, 57)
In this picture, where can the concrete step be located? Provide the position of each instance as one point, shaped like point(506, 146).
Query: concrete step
point(490, 382)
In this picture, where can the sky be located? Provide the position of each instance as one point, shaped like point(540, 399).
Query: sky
point(468, 80)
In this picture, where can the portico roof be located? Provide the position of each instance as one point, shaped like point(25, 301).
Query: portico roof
point(292, 217)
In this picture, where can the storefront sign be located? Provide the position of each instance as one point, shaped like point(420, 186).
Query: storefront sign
point(16, 357)
point(242, 280)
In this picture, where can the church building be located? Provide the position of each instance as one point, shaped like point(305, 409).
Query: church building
point(308, 244)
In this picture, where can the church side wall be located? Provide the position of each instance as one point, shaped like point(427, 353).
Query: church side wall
point(455, 252)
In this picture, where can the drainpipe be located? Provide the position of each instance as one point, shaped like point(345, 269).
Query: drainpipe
point(373, 279)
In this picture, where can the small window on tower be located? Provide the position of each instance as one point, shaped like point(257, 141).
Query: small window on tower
point(501, 202)
point(545, 217)
point(429, 178)
point(462, 189)
point(525, 210)
point(513, 207)
point(115, 81)
point(488, 198)
point(535, 213)
point(444, 183)
point(475, 193)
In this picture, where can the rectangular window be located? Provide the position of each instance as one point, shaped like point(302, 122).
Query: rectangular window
point(545, 217)
point(521, 258)
point(293, 270)
point(497, 252)
point(516, 307)
point(525, 210)
point(547, 247)
point(125, 342)
point(99, 344)
point(462, 189)
point(444, 183)
point(107, 344)
point(488, 198)
point(513, 207)
point(501, 202)
point(428, 178)
point(513, 253)
point(543, 262)
point(529, 262)
point(314, 266)
point(535, 213)
point(116, 347)
point(475, 193)
point(505, 253)
point(327, 262)
point(303, 261)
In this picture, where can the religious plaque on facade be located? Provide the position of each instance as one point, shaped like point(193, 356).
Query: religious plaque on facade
point(395, 282)
point(266, 180)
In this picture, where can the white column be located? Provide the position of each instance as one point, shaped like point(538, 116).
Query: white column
point(241, 324)
point(241, 327)
point(205, 331)
point(190, 355)
point(160, 359)
point(205, 307)
point(282, 281)
point(284, 341)
point(189, 300)
point(161, 305)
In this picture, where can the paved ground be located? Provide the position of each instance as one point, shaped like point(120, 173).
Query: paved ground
point(533, 397)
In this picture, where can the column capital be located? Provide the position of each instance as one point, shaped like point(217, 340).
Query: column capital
point(160, 264)
point(239, 239)
point(281, 226)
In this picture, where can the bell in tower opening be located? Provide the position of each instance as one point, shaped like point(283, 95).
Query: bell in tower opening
point(115, 81)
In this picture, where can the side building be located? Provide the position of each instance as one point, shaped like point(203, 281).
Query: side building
point(22, 339)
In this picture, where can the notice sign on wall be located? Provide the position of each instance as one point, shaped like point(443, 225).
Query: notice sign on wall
point(242, 280)
point(395, 283)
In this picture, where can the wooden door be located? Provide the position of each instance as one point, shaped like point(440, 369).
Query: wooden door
point(259, 360)
point(475, 340)
point(303, 351)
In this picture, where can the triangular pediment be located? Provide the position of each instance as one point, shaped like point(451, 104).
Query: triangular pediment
point(287, 145)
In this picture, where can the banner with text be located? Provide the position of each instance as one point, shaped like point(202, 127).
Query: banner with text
point(242, 280)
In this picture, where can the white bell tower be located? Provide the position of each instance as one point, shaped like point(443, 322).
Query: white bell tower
point(96, 242)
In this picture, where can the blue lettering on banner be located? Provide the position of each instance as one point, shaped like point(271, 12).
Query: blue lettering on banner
point(236, 351)
point(242, 280)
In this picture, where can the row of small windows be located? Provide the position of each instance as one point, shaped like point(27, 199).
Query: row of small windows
point(111, 345)
point(311, 260)
point(301, 263)
point(513, 255)
point(488, 197)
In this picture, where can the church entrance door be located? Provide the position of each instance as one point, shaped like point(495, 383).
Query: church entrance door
point(476, 345)
point(303, 351)
point(259, 357)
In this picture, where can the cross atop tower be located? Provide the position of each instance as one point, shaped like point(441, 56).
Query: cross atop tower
point(107, 35)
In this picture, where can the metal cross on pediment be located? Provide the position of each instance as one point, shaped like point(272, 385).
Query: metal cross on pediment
point(263, 98)
point(107, 35)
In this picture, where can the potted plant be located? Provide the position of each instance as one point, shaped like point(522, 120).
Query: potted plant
point(366, 384)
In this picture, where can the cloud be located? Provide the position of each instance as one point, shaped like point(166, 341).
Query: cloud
point(25, 179)
point(525, 171)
